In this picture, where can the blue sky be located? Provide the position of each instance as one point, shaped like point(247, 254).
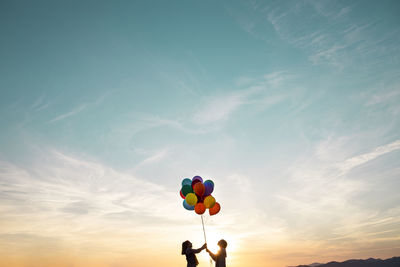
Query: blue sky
point(291, 107)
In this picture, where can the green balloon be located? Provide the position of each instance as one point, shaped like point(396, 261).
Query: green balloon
point(186, 189)
point(186, 181)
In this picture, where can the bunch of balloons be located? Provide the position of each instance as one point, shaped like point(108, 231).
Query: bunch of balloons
point(197, 195)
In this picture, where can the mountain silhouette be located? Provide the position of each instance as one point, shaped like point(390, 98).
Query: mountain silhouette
point(371, 262)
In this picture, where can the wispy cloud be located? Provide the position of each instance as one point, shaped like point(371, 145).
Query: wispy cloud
point(86, 194)
point(70, 113)
point(219, 107)
point(39, 104)
point(322, 185)
point(321, 30)
point(364, 158)
point(214, 109)
point(146, 121)
point(154, 158)
point(328, 55)
point(79, 108)
point(385, 96)
point(331, 10)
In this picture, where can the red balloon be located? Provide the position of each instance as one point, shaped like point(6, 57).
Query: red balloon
point(199, 208)
point(199, 189)
point(215, 209)
point(182, 196)
point(196, 179)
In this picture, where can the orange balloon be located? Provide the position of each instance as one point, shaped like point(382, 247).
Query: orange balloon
point(199, 208)
point(215, 209)
point(199, 189)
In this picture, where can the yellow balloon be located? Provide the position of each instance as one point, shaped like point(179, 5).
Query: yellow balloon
point(191, 199)
point(209, 202)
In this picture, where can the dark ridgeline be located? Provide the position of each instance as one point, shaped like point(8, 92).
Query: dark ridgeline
point(392, 262)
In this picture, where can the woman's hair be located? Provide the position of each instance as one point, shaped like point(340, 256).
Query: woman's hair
point(185, 246)
point(223, 243)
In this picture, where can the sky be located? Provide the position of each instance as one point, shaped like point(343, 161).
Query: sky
point(290, 107)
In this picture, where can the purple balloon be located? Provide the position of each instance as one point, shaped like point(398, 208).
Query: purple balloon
point(197, 178)
point(209, 185)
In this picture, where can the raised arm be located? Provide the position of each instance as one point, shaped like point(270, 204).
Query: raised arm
point(212, 255)
point(195, 251)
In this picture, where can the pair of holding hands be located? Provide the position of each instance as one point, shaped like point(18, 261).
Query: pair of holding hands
point(205, 247)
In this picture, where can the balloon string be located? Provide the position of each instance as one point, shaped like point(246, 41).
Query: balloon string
point(205, 238)
point(204, 231)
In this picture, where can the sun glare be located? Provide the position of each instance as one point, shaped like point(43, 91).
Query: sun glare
point(213, 236)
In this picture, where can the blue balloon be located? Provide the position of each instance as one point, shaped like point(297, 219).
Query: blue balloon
point(209, 185)
point(187, 206)
point(186, 181)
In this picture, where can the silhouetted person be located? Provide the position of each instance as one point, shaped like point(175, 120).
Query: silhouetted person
point(190, 253)
point(220, 256)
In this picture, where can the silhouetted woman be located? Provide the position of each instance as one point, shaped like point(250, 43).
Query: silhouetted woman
point(220, 256)
point(190, 253)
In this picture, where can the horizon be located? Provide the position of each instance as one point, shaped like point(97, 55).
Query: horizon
point(369, 259)
point(290, 107)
